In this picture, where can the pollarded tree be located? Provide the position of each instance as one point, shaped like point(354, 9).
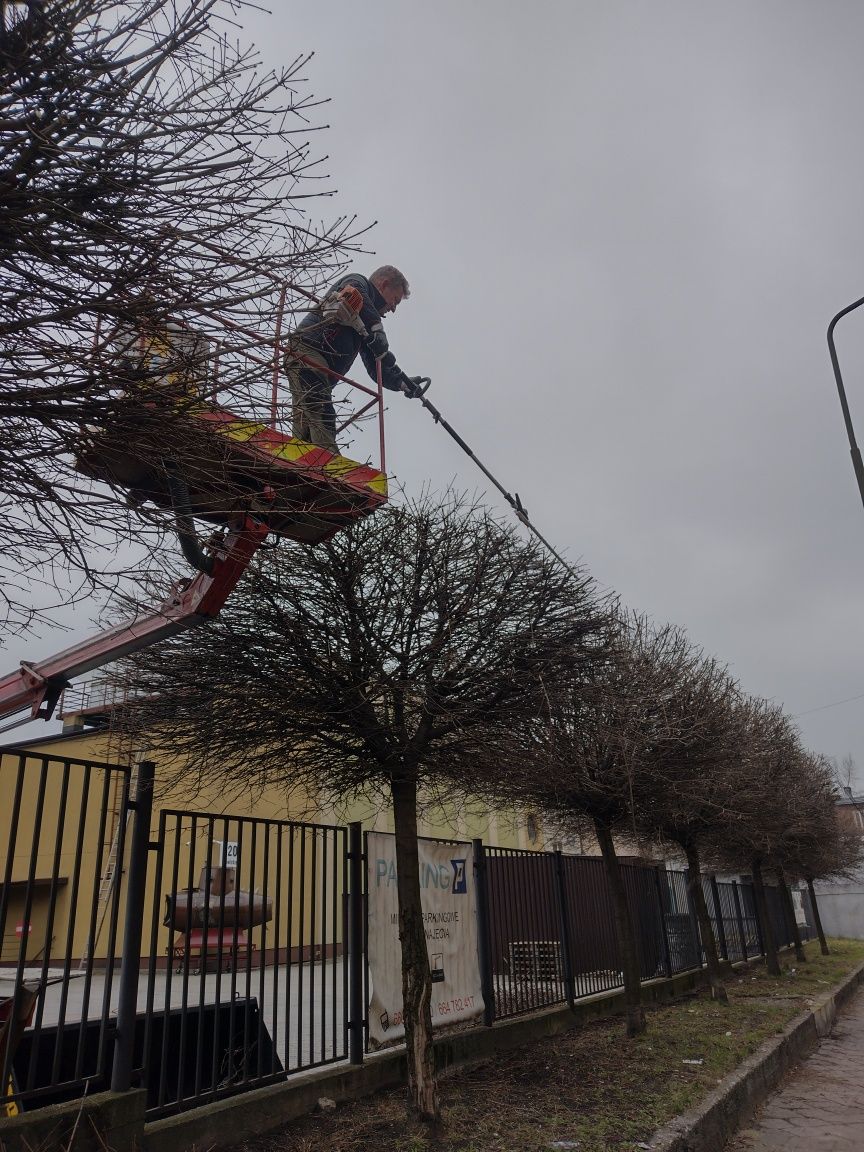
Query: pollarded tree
point(149, 174)
point(804, 801)
point(407, 653)
point(764, 779)
point(594, 740)
point(818, 846)
point(684, 790)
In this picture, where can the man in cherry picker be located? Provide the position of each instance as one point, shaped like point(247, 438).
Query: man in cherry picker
point(347, 321)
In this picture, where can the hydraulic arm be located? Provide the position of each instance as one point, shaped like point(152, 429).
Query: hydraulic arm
point(38, 686)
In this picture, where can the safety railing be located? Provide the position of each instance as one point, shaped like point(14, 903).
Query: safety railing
point(221, 355)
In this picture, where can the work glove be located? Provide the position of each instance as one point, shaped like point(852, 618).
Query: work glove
point(377, 342)
point(412, 386)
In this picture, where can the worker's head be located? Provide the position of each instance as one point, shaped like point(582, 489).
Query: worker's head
point(391, 284)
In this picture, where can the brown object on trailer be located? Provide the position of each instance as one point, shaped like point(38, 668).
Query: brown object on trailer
point(216, 904)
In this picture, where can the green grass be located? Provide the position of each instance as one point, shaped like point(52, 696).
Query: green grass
point(592, 1085)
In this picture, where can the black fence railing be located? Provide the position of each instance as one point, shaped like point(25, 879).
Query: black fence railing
point(550, 926)
point(525, 951)
point(62, 835)
point(734, 936)
point(248, 979)
point(214, 953)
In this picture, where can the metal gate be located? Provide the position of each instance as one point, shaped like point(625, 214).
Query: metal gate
point(247, 979)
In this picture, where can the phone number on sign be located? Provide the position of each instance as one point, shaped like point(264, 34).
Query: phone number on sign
point(457, 1004)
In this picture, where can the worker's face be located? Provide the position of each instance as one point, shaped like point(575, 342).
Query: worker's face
point(392, 293)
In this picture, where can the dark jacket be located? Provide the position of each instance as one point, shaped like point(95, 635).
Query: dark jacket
point(339, 344)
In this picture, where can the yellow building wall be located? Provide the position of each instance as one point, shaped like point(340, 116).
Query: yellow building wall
point(295, 868)
point(58, 819)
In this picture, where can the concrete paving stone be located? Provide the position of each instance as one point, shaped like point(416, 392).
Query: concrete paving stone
point(820, 1106)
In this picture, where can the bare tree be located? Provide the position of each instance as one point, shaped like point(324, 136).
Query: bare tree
point(820, 848)
point(845, 773)
point(764, 780)
point(152, 180)
point(404, 655)
point(683, 792)
point(804, 807)
point(595, 740)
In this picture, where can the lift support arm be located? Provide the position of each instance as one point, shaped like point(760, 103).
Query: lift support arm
point(38, 685)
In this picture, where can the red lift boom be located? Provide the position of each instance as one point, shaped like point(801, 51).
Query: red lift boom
point(38, 686)
point(245, 476)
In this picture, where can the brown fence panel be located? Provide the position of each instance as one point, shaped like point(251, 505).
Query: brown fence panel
point(525, 946)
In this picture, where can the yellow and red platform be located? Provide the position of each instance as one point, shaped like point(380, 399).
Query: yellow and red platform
point(230, 464)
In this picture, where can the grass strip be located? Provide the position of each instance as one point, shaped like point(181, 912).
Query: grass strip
point(590, 1089)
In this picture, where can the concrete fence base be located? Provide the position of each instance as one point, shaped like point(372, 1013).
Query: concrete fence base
point(113, 1120)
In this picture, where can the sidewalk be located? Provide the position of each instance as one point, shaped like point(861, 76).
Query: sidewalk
point(820, 1108)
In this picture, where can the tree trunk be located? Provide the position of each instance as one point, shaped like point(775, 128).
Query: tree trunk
point(772, 963)
point(709, 944)
point(416, 976)
point(786, 897)
point(626, 937)
point(820, 932)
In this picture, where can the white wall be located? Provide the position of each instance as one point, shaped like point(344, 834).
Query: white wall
point(841, 907)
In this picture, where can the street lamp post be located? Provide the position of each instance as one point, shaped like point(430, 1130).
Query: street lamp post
point(857, 463)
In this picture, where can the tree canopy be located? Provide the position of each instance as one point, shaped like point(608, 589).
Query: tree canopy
point(151, 174)
point(412, 651)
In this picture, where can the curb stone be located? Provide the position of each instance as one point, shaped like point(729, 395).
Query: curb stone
point(707, 1126)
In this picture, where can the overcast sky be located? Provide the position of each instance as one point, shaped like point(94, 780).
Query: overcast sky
point(626, 227)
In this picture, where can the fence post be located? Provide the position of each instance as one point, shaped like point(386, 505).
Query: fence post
point(356, 959)
point(738, 916)
point(784, 893)
point(564, 920)
point(694, 923)
point(759, 935)
point(127, 996)
point(718, 911)
point(664, 928)
point(484, 952)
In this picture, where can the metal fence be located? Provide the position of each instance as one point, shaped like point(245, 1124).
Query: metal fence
point(248, 979)
point(526, 948)
point(62, 833)
point(228, 952)
point(549, 927)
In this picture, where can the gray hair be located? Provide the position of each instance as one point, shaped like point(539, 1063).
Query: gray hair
point(387, 274)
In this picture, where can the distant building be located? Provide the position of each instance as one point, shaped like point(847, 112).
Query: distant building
point(850, 813)
point(841, 902)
